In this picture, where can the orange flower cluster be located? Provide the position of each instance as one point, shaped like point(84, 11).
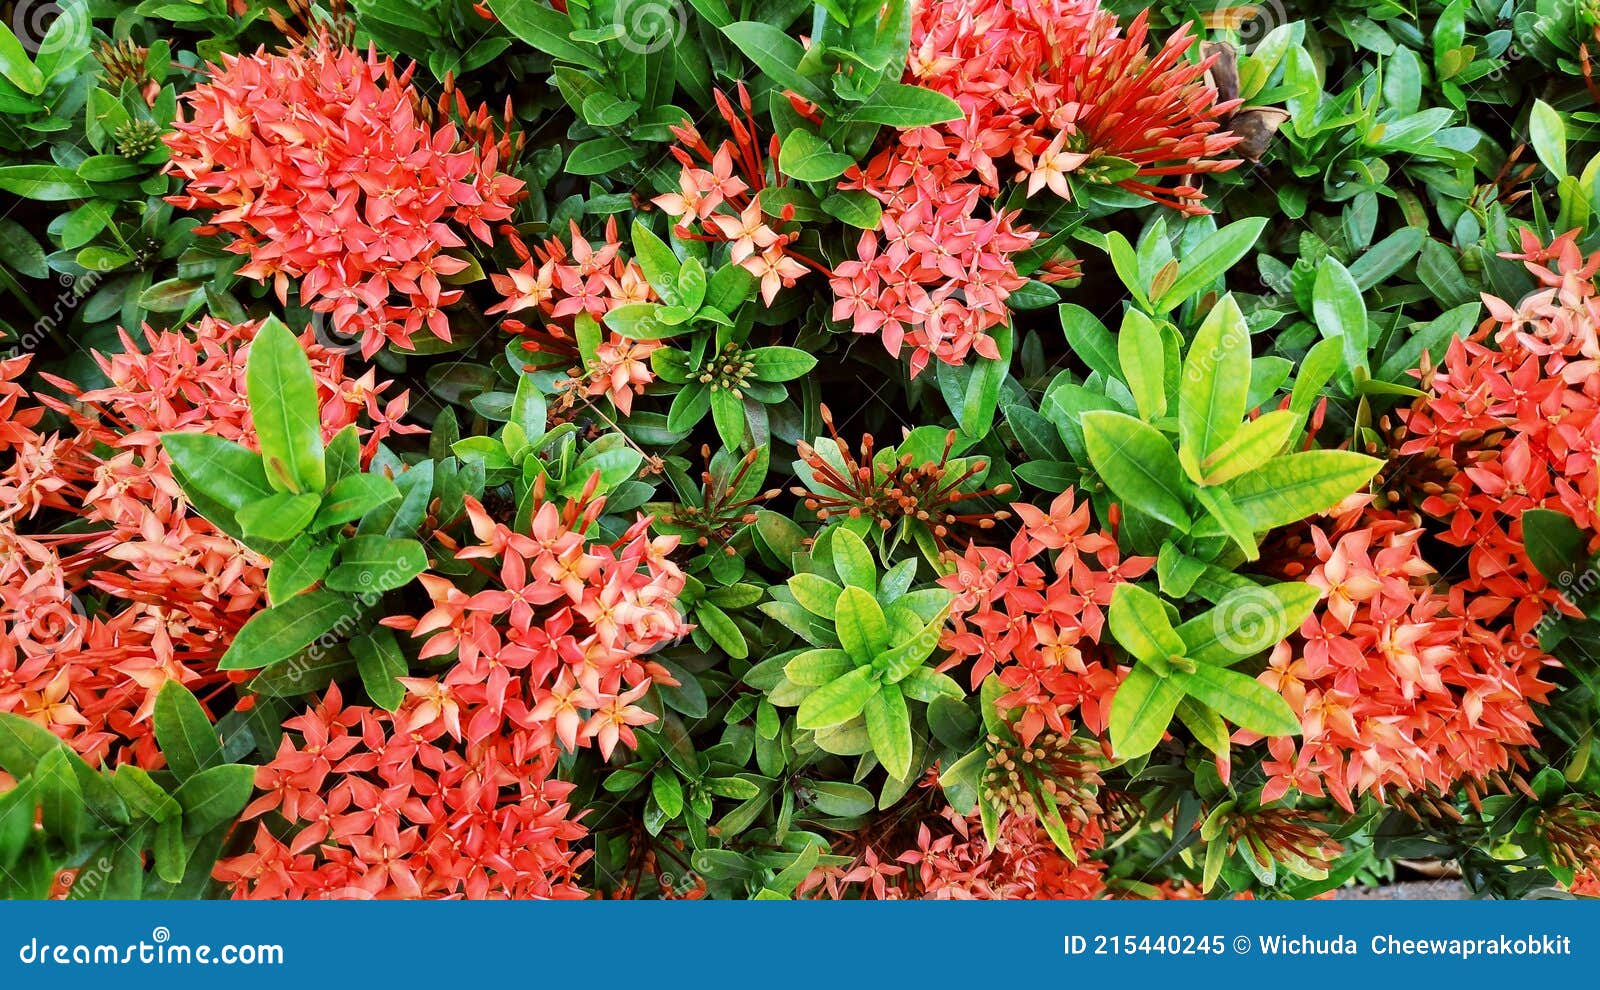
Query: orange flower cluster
point(1041, 633)
point(1399, 684)
point(455, 794)
point(183, 587)
point(1056, 88)
point(1515, 426)
point(323, 165)
point(735, 176)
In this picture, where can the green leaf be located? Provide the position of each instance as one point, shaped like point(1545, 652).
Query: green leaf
point(1138, 620)
point(284, 406)
point(15, 64)
point(279, 517)
point(1216, 382)
point(854, 207)
point(1256, 443)
point(1141, 711)
point(380, 662)
point(283, 630)
point(780, 364)
point(837, 701)
point(1240, 699)
point(889, 728)
point(1142, 355)
point(1248, 621)
point(1138, 464)
point(1555, 545)
point(1218, 253)
point(1090, 340)
point(599, 156)
point(814, 668)
point(1340, 312)
point(853, 561)
point(215, 796)
point(60, 799)
point(1548, 134)
point(722, 630)
point(1225, 516)
point(294, 570)
point(225, 472)
point(806, 157)
point(906, 658)
point(859, 620)
point(727, 412)
point(906, 107)
point(353, 497)
point(184, 732)
point(776, 54)
point(545, 28)
point(376, 563)
point(839, 799)
point(1291, 487)
point(668, 792)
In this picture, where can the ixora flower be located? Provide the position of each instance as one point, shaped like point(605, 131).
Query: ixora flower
point(561, 286)
point(324, 166)
point(724, 198)
point(175, 589)
point(1398, 687)
point(1040, 632)
point(1051, 93)
point(455, 793)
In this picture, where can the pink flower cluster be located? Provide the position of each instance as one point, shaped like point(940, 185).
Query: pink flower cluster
point(948, 858)
point(721, 192)
point(559, 287)
point(324, 167)
point(390, 805)
point(182, 588)
point(1514, 426)
point(1039, 632)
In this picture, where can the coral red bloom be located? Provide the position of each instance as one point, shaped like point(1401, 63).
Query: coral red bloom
point(324, 167)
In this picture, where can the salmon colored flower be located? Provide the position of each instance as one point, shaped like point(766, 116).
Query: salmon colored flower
point(325, 168)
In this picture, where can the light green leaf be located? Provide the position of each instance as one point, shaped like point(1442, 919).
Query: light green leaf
point(889, 728)
point(1216, 382)
point(1141, 711)
point(1142, 355)
point(1291, 487)
point(838, 701)
point(1240, 699)
point(1138, 464)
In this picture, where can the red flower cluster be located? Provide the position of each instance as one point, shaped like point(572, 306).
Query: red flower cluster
point(323, 165)
point(1399, 684)
point(1515, 427)
point(1039, 633)
point(455, 793)
point(1057, 88)
point(184, 588)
